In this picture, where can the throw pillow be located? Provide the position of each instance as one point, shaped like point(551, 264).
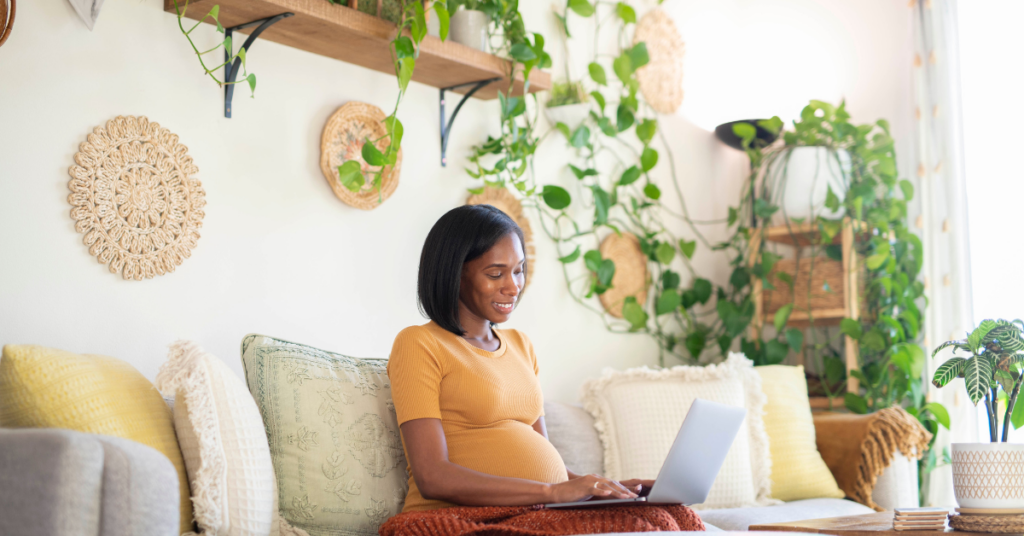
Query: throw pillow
point(222, 441)
point(639, 411)
point(333, 434)
point(798, 471)
point(46, 388)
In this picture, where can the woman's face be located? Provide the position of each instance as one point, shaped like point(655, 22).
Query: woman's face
point(491, 283)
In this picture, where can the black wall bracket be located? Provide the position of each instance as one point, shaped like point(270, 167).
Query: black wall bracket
point(446, 125)
point(231, 69)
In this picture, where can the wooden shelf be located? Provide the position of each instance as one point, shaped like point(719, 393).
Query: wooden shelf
point(820, 403)
point(354, 37)
point(822, 318)
point(796, 234)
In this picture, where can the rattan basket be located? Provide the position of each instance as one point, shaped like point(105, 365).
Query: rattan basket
point(826, 285)
point(630, 277)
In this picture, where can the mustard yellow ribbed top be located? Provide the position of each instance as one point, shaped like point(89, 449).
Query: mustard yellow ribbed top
point(487, 403)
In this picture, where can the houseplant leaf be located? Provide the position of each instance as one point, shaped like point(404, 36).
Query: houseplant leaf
point(668, 301)
point(555, 196)
point(977, 377)
point(948, 371)
point(939, 412)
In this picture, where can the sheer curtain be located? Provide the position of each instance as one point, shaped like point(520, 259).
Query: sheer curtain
point(939, 212)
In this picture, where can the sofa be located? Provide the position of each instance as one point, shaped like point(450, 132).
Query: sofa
point(70, 483)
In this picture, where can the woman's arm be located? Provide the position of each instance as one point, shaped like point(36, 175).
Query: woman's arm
point(439, 479)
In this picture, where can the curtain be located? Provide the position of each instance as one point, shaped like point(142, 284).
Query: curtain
point(939, 213)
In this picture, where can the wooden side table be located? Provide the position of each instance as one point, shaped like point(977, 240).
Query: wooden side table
point(861, 525)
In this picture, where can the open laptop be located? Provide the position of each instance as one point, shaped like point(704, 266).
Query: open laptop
point(693, 461)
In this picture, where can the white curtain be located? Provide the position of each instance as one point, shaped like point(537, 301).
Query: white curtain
point(939, 213)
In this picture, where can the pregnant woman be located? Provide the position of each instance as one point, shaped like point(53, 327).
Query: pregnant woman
point(470, 407)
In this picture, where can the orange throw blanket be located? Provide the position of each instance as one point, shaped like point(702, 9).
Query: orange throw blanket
point(537, 521)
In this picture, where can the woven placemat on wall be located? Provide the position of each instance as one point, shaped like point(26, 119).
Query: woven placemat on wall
point(135, 199)
point(505, 201)
point(630, 277)
point(7, 13)
point(342, 140)
point(661, 80)
point(983, 523)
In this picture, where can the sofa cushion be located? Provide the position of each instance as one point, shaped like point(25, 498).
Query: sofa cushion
point(739, 519)
point(571, 430)
point(638, 413)
point(333, 435)
point(46, 388)
point(140, 490)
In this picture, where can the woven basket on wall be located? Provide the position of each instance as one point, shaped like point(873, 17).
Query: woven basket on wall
point(820, 270)
point(505, 201)
point(343, 139)
point(661, 80)
point(630, 277)
point(7, 18)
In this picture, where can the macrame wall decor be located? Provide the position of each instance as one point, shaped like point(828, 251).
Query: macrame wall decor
point(503, 200)
point(661, 80)
point(344, 135)
point(135, 199)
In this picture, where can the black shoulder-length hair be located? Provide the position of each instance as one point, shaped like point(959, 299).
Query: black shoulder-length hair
point(461, 235)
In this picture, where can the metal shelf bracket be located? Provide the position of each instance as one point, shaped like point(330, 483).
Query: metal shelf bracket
point(231, 69)
point(446, 125)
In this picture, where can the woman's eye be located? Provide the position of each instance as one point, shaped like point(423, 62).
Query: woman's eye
point(494, 276)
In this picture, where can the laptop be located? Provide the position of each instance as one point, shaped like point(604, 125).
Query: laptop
point(693, 461)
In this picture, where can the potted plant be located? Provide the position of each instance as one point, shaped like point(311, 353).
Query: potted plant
point(567, 104)
point(469, 23)
point(987, 475)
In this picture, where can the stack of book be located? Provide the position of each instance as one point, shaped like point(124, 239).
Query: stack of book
point(920, 519)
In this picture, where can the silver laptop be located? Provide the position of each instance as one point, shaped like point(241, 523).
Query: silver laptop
point(693, 461)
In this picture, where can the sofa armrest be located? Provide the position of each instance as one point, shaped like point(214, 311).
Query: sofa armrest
point(862, 450)
point(70, 483)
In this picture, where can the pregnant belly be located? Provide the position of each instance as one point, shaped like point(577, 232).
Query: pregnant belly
point(509, 449)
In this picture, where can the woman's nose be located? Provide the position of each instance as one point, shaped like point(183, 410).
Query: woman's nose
point(511, 286)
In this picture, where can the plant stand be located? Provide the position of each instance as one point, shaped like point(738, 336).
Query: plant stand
point(817, 305)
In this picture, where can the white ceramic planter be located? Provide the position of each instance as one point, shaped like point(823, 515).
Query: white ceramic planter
point(570, 114)
point(988, 475)
point(469, 27)
point(804, 176)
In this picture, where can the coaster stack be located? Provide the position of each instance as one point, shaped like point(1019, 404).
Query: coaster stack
point(920, 519)
point(1005, 520)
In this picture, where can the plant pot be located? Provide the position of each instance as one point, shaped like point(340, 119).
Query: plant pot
point(988, 475)
point(469, 27)
point(570, 114)
point(802, 177)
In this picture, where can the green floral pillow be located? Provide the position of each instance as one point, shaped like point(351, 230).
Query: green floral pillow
point(333, 435)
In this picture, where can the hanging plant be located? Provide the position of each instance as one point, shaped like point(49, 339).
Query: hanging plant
point(225, 44)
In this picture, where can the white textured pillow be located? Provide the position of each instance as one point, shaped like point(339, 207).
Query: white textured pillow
point(638, 413)
point(224, 445)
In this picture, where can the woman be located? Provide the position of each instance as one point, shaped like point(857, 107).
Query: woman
point(469, 405)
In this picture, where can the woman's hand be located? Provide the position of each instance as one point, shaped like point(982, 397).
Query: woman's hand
point(634, 484)
point(595, 486)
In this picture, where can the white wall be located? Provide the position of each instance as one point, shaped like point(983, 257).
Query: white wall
point(279, 254)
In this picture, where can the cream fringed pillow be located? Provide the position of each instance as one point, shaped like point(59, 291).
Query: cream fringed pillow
point(638, 413)
point(224, 445)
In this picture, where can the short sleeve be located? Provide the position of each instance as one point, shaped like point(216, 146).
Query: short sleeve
point(415, 374)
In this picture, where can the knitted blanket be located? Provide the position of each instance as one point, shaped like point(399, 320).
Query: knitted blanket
point(538, 521)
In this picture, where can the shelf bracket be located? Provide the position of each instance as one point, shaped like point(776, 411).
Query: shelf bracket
point(231, 69)
point(446, 126)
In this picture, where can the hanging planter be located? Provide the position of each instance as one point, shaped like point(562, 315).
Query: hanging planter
point(803, 177)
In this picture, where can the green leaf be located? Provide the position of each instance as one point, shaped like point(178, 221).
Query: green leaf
point(626, 13)
point(602, 203)
point(734, 318)
point(695, 341)
point(702, 290)
point(763, 209)
point(580, 138)
point(606, 126)
point(648, 159)
point(350, 175)
point(598, 75)
point(638, 56)
point(404, 47)
point(665, 253)
point(418, 29)
point(599, 98)
point(724, 342)
point(634, 313)
point(475, 191)
point(606, 272)
point(241, 55)
point(875, 261)
point(977, 377)
point(979, 334)
point(251, 79)
point(745, 132)
point(910, 359)
point(405, 69)
point(582, 8)
point(623, 68)
point(782, 316)
point(443, 19)
point(687, 248)
point(908, 189)
point(564, 129)
point(570, 257)
point(1017, 417)
point(652, 191)
point(740, 277)
point(555, 196)
point(873, 340)
point(831, 200)
point(397, 131)
point(668, 301)
point(775, 352)
point(646, 130)
point(592, 259)
point(624, 117)
point(581, 173)
point(785, 278)
point(795, 338)
point(522, 53)
point(856, 403)
point(372, 155)
point(835, 370)
point(669, 279)
point(629, 176)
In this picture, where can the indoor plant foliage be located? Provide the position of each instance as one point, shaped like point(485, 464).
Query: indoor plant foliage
point(230, 54)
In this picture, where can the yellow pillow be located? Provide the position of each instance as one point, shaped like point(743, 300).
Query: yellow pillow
point(798, 472)
point(45, 388)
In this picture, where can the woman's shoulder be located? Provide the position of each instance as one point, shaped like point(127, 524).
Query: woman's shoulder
point(516, 338)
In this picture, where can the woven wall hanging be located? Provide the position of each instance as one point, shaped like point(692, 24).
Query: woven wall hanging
point(7, 11)
point(503, 200)
point(344, 135)
point(661, 80)
point(630, 277)
point(134, 198)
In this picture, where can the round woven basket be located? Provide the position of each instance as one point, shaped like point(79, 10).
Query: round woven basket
point(630, 277)
point(505, 201)
point(982, 523)
point(344, 135)
point(661, 80)
point(7, 18)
